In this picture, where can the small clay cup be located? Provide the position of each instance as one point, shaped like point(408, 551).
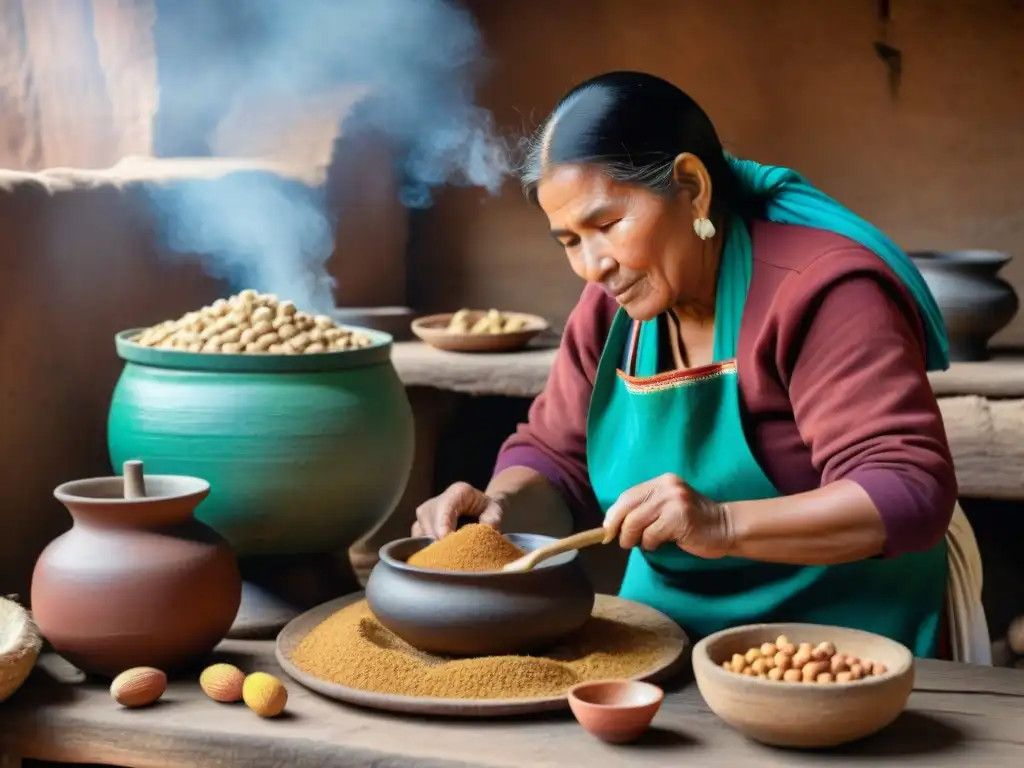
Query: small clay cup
point(804, 715)
point(615, 711)
point(136, 582)
point(479, 614)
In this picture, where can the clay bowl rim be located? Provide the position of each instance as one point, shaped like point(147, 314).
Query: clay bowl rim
point(239, 362)
point(62, 492)
point(564, 559)
point(436, 325)
point(962, 256)
point(714, 671)
point(620, 683)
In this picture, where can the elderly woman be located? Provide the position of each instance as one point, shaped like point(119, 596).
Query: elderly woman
point(741, 391)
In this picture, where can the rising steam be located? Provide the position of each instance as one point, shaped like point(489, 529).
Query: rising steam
point(413, 64)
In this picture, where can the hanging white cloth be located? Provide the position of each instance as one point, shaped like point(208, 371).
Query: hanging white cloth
point(968, 627)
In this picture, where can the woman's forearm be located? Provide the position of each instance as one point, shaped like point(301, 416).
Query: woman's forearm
point(530, 503)
point(834, 524)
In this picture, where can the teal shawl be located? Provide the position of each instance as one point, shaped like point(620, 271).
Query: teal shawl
point(790, 199)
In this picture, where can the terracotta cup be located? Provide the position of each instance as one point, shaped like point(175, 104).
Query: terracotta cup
point(616, 711)
point(136, 581)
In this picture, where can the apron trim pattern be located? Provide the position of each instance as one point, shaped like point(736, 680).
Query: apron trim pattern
point(660, 382)
point(639, 385)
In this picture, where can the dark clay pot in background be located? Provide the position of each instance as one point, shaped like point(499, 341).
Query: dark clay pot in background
point(975, 302)
point(135, 582)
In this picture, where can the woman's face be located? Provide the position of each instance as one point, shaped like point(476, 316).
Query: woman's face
point(638, 245)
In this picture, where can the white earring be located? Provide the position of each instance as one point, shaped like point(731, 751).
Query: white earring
point(704, 228)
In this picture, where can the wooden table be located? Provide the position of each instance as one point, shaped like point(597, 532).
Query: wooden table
point(959, 716)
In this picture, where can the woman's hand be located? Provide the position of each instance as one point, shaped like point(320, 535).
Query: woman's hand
point(666, 509)
point(438, 516)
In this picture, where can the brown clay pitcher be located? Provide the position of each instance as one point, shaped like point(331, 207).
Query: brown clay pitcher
point(137, 581)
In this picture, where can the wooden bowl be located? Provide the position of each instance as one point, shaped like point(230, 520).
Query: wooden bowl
point(804, 715)
point(433, 330)
point(615, 711)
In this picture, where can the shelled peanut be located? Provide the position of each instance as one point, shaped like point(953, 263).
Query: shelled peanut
point(789, 662)
point(492, 322)
point(252, 323)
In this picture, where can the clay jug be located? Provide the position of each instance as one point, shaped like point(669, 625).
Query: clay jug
point(136, 581)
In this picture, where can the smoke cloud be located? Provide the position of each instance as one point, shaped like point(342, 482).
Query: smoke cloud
point(412, 67)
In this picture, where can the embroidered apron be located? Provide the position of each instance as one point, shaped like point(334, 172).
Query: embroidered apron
point(643, 424)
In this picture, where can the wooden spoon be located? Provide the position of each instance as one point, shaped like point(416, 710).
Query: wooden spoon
point(576, 541)
point(134, 480)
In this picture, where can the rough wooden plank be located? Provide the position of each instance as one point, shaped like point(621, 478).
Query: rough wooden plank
point(513, 374)
point(984, 436)
point(960, 713)
point(126, 50)
point(19, 135)
point(1000, 377)
point(523, 374)
point(983, 433)
point(79, 82)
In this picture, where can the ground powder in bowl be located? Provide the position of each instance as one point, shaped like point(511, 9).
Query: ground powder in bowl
point(353, 649)
point(474, 547)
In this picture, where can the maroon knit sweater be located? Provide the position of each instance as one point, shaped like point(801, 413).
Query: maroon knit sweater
point(832, 380)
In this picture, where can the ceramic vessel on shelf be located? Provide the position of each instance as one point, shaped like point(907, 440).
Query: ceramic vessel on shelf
point(479, 614)
point(136, 581)
point(434, 330)
point(975, 302)
point(779, 713)
point(305, 454)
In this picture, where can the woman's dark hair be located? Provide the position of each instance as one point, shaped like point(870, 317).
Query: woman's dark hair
point(633, 126)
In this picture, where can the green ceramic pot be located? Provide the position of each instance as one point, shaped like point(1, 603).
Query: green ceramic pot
point(303, 453)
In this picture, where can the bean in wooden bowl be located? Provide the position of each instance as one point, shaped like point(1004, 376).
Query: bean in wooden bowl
point(824, 687)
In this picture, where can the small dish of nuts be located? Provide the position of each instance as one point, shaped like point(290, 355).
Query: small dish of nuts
point(473, 330)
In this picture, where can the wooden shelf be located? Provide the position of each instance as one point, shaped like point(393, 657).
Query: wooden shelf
point(523, 374)
point(512, 374)
point(982, 404)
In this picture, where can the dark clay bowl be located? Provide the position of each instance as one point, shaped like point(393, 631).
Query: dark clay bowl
point(479, 614)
